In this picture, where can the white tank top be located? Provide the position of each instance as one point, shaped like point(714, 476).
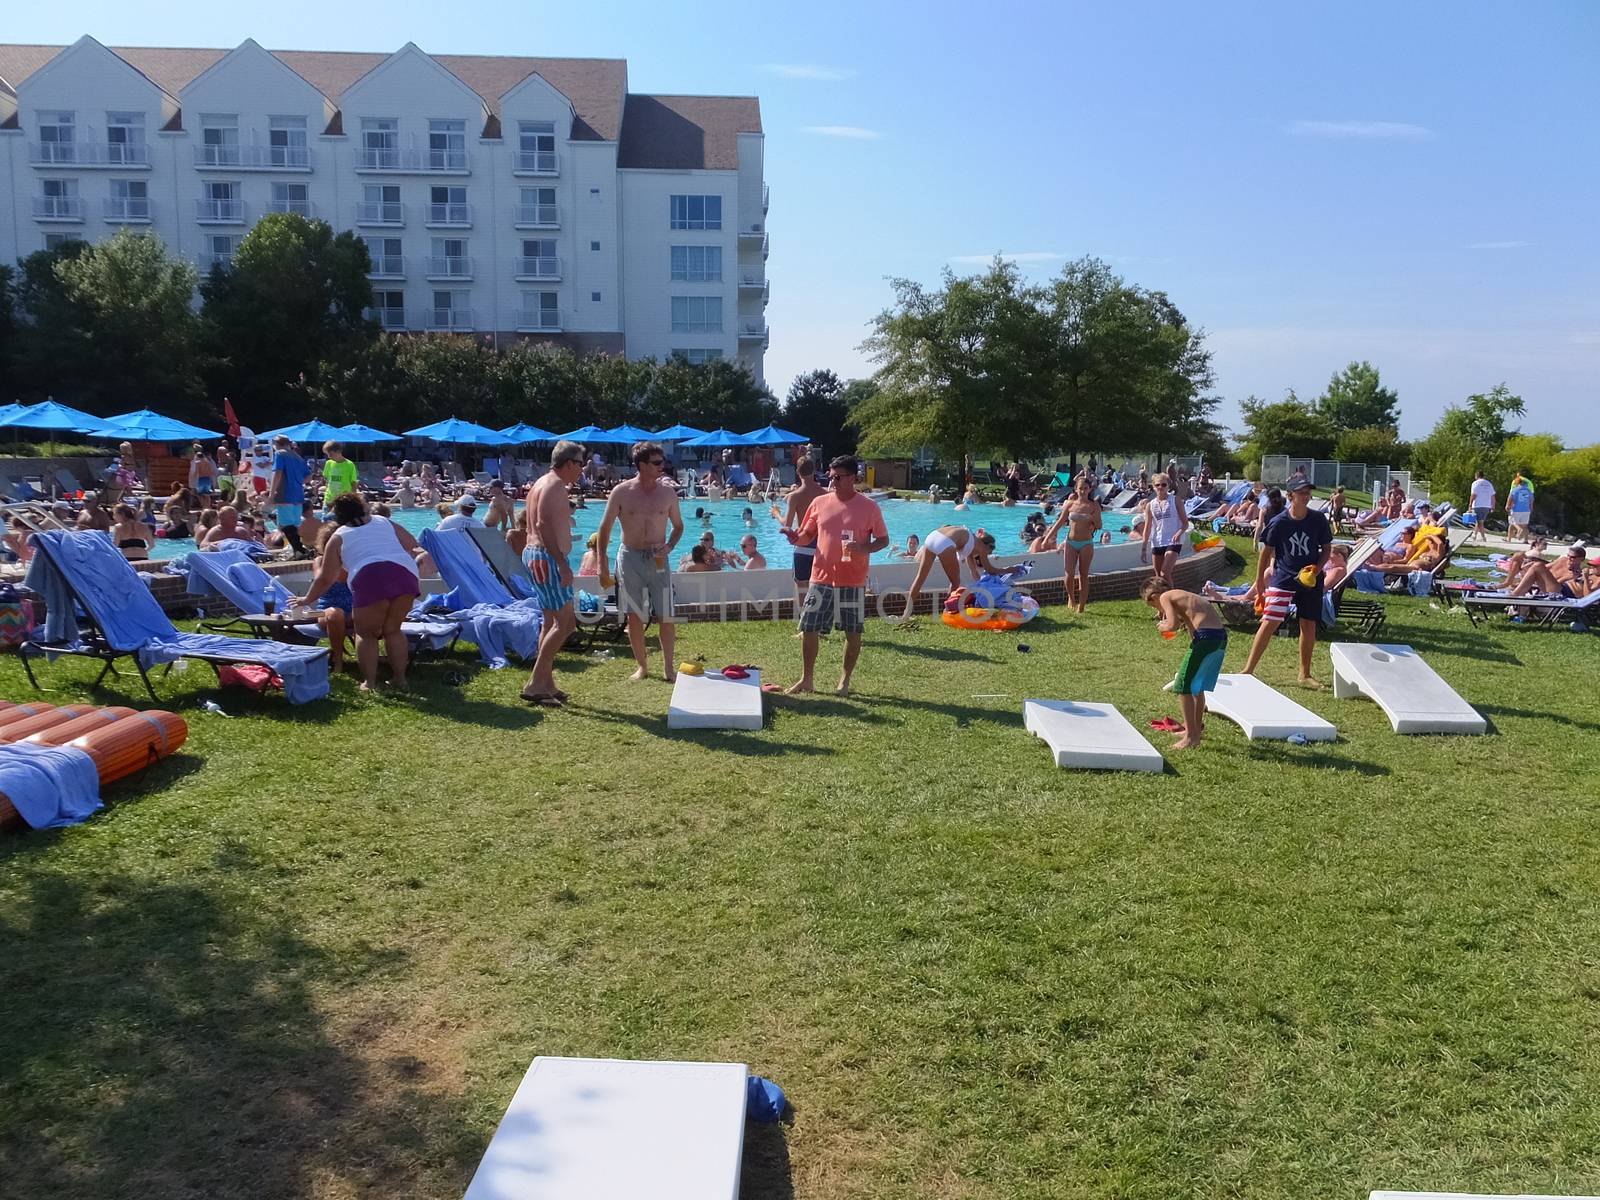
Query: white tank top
point(376, 541)
point(1163, 522)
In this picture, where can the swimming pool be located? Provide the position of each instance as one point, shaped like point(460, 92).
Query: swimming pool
point(725, 519)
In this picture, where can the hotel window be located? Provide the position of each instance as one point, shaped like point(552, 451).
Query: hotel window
point(697, 264)
point(540, 311)
point(381, 202)
point(697, 356)
point(130, 198)
point(286, 142)
point(219, 139)
point(57, 131)
point(290, 198)
point(390, 309)
point(60, 199)
point(447, 145)
point(537, 206)
point(125, 138)
point(536, 146)
point(696, 212)
point(448, 206)
point(697, 314)
point(220, 249)
point(386, 254)
point(54, 241)
point(380, 142)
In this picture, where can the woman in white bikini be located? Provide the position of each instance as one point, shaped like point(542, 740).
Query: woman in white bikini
point(1083, 516)
point(950, 546)
point(1164, 523)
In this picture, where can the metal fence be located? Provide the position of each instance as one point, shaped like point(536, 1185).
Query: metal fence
point(1276, 470)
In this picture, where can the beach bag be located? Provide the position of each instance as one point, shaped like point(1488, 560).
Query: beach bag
point(16, 617)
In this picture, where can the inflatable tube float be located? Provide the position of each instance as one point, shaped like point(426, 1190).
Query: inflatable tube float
point(994, 618)
point(1199, 539)
point(54, 760)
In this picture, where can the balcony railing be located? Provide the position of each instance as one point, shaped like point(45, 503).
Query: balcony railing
point(230, 212)
point(387, 158)
point(58, 208)
point(121, 155)
point(448, 161)
point(752, 330)
point(388, 318)
point(234, 157)
point(537, 162)
point(447, 267)
point(766, 197)
point(388, 266)
point(750, 279)
point(207, 261)
point(450, 318)
point(539, 319)
point(538, 216)
point(766, 247)
point(126, 208)
point(458, 215)
point(388, 212)
point(301, 208)
point(538, 268)
point(751, 232)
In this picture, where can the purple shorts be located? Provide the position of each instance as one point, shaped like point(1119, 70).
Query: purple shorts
point(380, 582)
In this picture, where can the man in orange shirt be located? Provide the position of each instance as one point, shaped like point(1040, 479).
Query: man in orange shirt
point(846, 528)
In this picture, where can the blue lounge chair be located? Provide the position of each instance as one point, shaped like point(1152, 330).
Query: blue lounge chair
point(490, 617)
point(98, 607)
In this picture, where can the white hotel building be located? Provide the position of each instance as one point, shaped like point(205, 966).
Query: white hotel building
point(512, 197)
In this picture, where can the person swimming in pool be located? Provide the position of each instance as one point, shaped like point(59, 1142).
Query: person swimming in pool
point(950, 546)
point(1083, 516)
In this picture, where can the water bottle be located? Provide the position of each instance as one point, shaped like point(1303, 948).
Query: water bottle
point(181, 665)
point(211, 706)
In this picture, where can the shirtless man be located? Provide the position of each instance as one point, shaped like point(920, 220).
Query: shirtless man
point(800, 498)
point(227, 526)
point(549, 522)
point(645, 506)
point(501, 512)
point(1566, 577)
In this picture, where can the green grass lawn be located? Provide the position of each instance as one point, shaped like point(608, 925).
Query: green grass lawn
point(313, 955)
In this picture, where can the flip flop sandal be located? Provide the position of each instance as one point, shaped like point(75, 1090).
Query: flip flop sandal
point(1167, 725)
point(542, 699)
point(561, 696)
point(775, 689)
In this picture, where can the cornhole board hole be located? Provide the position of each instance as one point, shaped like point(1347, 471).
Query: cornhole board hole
point(613, 1129)
point(1090, 736)
point(1415, 697)
point(711, 702)
point(1264, 712)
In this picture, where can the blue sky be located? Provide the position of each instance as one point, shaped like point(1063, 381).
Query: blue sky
point(1415, 184)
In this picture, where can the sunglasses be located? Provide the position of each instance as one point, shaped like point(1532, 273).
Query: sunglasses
point(655, 462)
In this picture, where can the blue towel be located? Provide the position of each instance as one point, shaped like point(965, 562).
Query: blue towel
point(51, 786)
point(233, 575)
point(1237, 492)
point(304, 668)
point(462, 566)
point(502, 632)
point(244, 546)
point(1370, 581)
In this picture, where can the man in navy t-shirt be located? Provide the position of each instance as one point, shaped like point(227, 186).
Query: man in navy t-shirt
point(1294, 550)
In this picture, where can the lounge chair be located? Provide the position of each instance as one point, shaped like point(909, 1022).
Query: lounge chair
point(491, 618)
point(67, 482)
point(98, 607)
point(1542, 612)
point(1413, 695)
point(605, 623)
point(1092, 736)
point(606, 1129)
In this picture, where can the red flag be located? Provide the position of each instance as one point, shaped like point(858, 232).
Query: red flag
point(233, 418)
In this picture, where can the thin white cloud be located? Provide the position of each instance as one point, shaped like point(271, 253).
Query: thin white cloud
point(1397, 131)
point(855, 132)
point(1027, 256)
point(1514, 245)
point(810, 71)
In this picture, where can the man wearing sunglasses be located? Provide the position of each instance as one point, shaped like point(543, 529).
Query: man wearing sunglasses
point(645, 506)
point(846, 528)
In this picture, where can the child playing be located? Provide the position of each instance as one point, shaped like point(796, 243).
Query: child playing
point(1198, 673)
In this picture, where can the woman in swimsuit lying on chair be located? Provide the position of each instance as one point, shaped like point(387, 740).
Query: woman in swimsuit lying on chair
point(1083, 517)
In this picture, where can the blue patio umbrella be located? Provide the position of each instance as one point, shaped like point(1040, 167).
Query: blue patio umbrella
point(7, 410)
point(358, 434)
point(771, 435)
point(147, 426)
point(720, 437)
point(589, 433)
point(522, 433)
point(453, 429)
point(679, 433)
point(51, 415)
point(307, 431)
point(631, 433)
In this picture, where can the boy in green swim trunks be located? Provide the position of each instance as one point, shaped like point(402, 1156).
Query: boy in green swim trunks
point(1209, 641)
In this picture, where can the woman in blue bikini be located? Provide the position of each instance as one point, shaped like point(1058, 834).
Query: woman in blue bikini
point(1082, 515)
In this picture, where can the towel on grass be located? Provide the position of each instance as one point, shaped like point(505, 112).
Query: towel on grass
point(51, 786)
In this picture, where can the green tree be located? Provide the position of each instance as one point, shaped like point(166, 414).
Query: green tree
point(614, 390)
point(962, 368)
point(1289, 426)
point(716, 395)
point(1482, 421)
point(1379, 446)
point(397, 383)
point(1468, 438)
point(1356, 399)
point(539, 384)
point(1567, 498)
point(818, 405)
point(295, 296)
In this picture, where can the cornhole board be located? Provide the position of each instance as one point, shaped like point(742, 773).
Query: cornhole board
point(1411, 692)
point(711, 702)
point(615, 1129)
point(1265, 712)
point(1090, 736)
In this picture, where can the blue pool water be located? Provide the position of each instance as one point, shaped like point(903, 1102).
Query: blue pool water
point(903, 518)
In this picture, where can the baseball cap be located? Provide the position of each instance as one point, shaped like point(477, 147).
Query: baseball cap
point(1298, 484)
point(466, 504)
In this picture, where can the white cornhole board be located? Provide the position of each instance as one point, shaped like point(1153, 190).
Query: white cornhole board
point(1408, 689)
point(613, 1129)
point(711, 702)
point(1095, 737)
point(1264, 712)
point(1469, 1196)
